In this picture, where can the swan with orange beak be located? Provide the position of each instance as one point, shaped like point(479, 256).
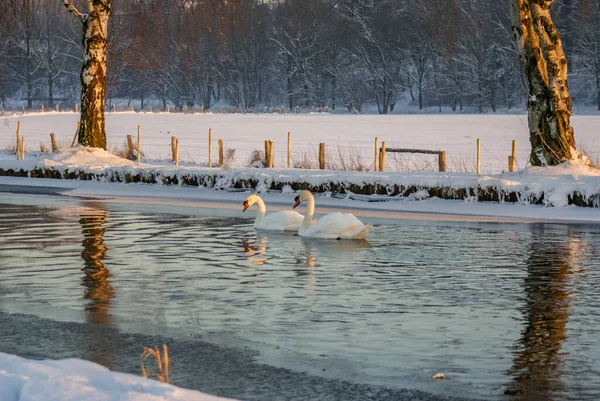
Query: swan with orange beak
point(285, 220)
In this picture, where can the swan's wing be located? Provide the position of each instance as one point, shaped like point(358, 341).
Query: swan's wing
point(286, 220)
point(356, 232)
point(338, 225)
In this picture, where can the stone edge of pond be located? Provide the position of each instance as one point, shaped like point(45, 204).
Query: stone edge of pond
point(220, 180)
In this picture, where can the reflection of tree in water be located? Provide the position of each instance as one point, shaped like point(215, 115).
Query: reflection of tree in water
point(537, 362)
point(98, 290)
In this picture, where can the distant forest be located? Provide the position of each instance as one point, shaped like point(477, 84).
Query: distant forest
point(252, 54)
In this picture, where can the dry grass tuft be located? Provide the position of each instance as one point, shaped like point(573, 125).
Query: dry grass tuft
point(12, 149)
point(347, 159)
point(306, 161)
point(228, 157)
point(44, 148)
point(162, 363)
point(257, 159)
point(463, 165)
point(125, 152)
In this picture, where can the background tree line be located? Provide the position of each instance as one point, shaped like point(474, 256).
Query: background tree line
point(340, 54)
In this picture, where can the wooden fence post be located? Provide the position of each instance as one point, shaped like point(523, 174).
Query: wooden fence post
point(177, 152)
point(22, 148)
point(130, 107)
point(322, 155)
point(53, 143)
point(168, 109)
point(42, 108)
point(76, 134)
point(23, 108)
point(57, 107)
point(478, 156)
point(267, 153)
point(289, 153)
point(382, 157)
point(512, 160)
point(18, 150)
point(220, 153)
point(129, 145)
point(173, 148)
point(271, 154)
point(377, 155)
point(442, 161)
point(210, 148)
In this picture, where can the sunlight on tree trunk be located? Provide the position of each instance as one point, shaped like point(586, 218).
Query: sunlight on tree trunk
point(545, 66)
point(93, 73)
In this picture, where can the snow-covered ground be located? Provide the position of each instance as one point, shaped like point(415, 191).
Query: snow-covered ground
point(351, 135)
point(454, 133)
point(77, 380)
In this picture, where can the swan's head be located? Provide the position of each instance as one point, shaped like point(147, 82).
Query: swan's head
point(250, 200)
point(303, 196)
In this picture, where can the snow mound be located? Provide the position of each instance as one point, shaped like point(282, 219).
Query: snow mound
point(85, 158)
point(77, 380)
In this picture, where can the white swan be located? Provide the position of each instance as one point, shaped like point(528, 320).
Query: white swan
point(287, 220)
point(334, 225)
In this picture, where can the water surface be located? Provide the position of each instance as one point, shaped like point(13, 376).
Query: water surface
point(505, 311)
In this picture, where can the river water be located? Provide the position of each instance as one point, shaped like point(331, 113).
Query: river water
point(504, 310)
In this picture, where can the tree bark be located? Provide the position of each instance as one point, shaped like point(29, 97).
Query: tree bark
point(543, 60)
point(93, 73)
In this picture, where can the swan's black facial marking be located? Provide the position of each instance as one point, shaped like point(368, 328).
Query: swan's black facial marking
point(297, 199)
point(246, 206)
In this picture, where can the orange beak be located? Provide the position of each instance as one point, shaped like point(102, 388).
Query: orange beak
point(297, 202)
point(246, 206)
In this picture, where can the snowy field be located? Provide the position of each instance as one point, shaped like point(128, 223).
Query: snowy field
point(351, 136)
point(77, 380)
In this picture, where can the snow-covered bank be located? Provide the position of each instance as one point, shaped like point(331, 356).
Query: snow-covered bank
point(77, 380)
point(569, 184)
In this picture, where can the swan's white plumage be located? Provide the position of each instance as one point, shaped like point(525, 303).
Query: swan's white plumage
point(333, 225)
point(286, 220)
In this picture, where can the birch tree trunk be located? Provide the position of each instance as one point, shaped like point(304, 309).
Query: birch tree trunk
point(93, 73)
point(545, 66)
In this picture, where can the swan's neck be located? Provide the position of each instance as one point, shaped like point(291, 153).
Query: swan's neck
point(308, 216)
point(261, 211)
point(261, 206)
point(306, 222)
point(259, 217)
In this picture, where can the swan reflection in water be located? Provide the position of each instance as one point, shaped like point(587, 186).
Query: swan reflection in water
point(254, 250)
point(537, 359)
point(304, 251)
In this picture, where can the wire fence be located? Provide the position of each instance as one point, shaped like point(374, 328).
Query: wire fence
point(241, 150)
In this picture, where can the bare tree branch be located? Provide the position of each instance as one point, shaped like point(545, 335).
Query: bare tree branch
point(74, 10)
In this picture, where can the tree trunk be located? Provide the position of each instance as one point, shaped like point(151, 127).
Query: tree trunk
point(598, 90)
point(93, 73)
point(50, 73)
point(28, 71)
point(545, 66)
